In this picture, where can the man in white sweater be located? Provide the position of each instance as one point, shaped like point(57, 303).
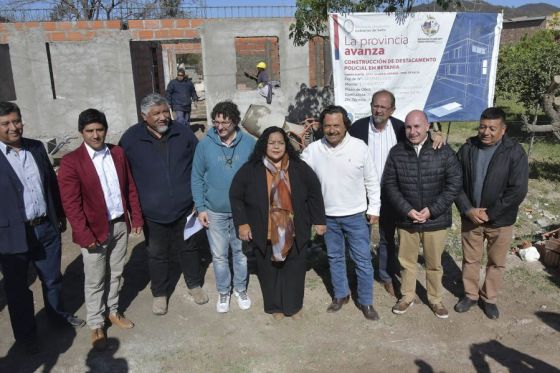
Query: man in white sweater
point(350, 187)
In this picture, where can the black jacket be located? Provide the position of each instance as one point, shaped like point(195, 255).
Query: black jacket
point(431, 180)
point(360, 129)
point(13, 238)
point(249, 201)
point(505, 185)
point(180, 94)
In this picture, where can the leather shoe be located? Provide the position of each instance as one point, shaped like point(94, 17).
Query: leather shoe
point(369, 312)
point(29, 346)
point(490, 310)
point(98, 339)
point(337, 304)
point(120, 321)
point(464, 304)
point(389, 288)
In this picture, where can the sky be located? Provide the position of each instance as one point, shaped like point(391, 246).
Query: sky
point(292, 2)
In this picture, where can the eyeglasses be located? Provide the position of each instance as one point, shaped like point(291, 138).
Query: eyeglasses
point(180, 75)
point(224, 124)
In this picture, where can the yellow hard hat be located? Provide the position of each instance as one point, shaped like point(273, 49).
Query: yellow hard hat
point(261, 65)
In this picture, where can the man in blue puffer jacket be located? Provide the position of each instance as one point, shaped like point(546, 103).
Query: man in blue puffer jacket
point(181, 93)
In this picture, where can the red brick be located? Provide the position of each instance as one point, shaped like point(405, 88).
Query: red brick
point(20, 26)
point(64, 26)
point(114, 24)
point(49, 26)
point(167, 23)
point(161, 34)
point(57, 36)
point(4, 39)
point(82, 25)
point(196, 23)
point(182, 23)
point(135, 24)
point(145, 35)
point(175, 33)
point(32, 24)
point(190, 34)
point(152, 23)
point(78, 36)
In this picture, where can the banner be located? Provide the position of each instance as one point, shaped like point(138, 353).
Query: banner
point(442, 63)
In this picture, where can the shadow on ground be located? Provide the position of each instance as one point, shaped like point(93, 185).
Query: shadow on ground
point(510, 358)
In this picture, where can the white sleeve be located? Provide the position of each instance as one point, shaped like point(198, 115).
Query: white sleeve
point(373, 187)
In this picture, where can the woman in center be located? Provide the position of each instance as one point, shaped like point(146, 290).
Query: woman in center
point(275, 199)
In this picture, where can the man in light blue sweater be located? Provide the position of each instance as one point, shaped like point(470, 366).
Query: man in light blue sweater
point(217, 158)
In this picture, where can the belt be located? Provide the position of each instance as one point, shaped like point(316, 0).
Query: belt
point(36, 221)
point(117, 220)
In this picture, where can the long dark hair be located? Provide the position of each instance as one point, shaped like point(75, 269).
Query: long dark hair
point(260, 147)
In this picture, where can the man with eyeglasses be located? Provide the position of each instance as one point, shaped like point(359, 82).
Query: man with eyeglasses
point(180, 94)
point(31, 220)
point(160, 152)
point(381, 131)
point(218, 157)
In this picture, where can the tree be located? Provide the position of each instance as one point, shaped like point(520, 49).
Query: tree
point(527, 74)
point(311, 15)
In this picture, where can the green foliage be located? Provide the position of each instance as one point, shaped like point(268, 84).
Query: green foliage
point(526, 69)
point(311, 15)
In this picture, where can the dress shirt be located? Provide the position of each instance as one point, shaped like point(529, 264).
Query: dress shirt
point(26, 169)
point(380, 143)
point(418, 147)
point(105, 168)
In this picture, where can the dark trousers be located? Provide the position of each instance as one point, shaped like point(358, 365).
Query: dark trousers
point(282, 283)
point(44, 251)
point(166, 246)
point(387, 250)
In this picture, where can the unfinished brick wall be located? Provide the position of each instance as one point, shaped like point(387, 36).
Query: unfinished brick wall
point(156, 29)
point(61, 31)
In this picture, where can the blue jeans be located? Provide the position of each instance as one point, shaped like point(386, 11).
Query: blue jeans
point(354, 229)
point(182, 116)
point(221, 236)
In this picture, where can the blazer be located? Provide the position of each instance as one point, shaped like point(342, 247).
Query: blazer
point(249, 201)
point(83, 200)
point(13, 239)
point(360, 129)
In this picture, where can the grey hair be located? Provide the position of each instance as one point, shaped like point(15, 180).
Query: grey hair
point(151, 100)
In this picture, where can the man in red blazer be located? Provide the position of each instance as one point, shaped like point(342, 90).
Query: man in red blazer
point(98, 194)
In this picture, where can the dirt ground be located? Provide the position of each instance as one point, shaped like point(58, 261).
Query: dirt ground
point(193, 338)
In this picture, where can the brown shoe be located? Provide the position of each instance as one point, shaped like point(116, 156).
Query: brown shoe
point(402, 306)
point(337, 304)
point(440, 310)
point(120, 321)
point(389, 288)
point(277, 316)
point(98, 339)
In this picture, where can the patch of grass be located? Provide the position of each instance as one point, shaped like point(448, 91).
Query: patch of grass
point(530, 278)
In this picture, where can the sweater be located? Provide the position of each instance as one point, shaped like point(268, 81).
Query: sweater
point(349, 182)
point(211, 175)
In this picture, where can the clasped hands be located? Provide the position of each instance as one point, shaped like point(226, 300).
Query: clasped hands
point(419, 217)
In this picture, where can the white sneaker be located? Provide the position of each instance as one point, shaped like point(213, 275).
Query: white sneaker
point(223, 303)
point(243, 300)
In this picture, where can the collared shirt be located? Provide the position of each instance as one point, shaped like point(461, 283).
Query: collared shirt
point(105, 168)
point(231, 143)
point(27, 171)
point(380, 143)
point(418, 147)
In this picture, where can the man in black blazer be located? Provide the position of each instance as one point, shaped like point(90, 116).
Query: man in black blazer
point(372, 130)
point(31, 220)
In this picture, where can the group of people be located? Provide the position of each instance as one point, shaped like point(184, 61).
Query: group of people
point(262, 196)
